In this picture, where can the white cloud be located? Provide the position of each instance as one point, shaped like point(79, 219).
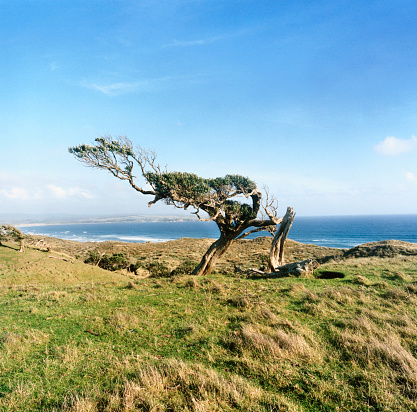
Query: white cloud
point(62, 193)
point(188, 43)
point(208, 40)
point(392, 146)
point(58, 191)
point(36, 193)
point(411, 177)
point(18, 193)
point(116, 88)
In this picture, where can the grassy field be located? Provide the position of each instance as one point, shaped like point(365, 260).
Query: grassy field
point(74, 337)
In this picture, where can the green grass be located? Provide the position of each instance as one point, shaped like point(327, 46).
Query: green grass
point(216, 343)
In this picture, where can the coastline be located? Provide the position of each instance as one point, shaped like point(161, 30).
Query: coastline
point(102, 220)
point(339, 232)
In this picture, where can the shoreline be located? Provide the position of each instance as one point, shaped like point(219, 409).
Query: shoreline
point(163, 219)
point(327, 232)
point(383, 242)
point(104, 222)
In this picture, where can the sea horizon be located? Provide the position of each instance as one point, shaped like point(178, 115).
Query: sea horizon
point(332, 231)
point(25, 219)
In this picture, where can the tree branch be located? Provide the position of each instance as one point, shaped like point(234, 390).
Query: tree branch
point(259, 229)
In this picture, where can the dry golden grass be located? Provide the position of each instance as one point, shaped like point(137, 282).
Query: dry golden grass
point(178, 386)
point(273, 343)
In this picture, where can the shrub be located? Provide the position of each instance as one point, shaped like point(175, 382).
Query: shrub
point(93, 257)
point(185, 268)
point(114, 262)
point(158, 270)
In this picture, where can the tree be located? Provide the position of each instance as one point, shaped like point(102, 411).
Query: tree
point(11, 232)
point(216, 197)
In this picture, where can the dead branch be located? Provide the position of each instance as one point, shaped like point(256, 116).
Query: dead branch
point(270, 207)
point(92, 332)
point(295, 269)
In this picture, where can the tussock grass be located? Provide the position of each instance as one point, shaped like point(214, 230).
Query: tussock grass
point(176, 385)
point(192, 283)
point(276, 343)
point(398, 275)
point(397, 293)
point(362, 280)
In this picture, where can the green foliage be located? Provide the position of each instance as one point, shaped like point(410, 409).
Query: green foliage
point(185, 268)
point(10, 232)
point(158, 270)
point(103, 146)
point(118, 261)
point(114, 146)
point(232, 183)
point(114, 262)
point(195, 190)
point(242, 211)
point(187, 186)
point(93, 257)
point(133, 267)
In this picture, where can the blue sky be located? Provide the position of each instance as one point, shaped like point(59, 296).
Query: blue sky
point(315, 100)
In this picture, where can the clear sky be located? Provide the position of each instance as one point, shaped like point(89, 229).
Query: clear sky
point(315, 99)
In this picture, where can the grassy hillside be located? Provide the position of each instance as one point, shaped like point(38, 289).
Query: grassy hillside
point(53, 268)
point(74, 337)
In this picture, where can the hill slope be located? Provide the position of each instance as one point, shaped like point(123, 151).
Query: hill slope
point(219, 343)
point(51, 268)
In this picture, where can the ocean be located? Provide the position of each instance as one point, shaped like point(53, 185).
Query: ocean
point(335, 231)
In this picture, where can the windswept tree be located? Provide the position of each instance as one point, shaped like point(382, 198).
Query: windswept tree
point(216, 197)
point(8, 232)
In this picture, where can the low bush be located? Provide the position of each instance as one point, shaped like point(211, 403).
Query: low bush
point(184, 268)
point(158, 270)
point(114, 262)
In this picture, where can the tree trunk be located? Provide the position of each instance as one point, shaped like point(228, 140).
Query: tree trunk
point(276, 255)
point(214, 252)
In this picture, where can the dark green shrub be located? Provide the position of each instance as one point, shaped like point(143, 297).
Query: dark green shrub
point(185, 268)
point(93, 257)
point(114, 262)
point(133, 267)
point(158, 270)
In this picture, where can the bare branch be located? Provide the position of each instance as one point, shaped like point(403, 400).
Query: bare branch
point(270, 207)
point(259, 229)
